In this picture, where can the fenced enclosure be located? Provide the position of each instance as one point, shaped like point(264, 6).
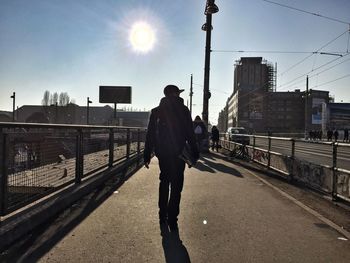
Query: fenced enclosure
point(40, 159)
point(323, 166)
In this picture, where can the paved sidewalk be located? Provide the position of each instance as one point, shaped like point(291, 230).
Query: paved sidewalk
point(227, 215)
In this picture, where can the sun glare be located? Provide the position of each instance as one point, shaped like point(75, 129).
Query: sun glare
point(142, 37)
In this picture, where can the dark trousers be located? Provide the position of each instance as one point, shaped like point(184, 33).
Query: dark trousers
point(215, 145)
point(171, 183)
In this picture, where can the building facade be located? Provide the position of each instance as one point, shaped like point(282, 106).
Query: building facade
point(256, 106)
point(253, 78)
point(335, 116)
point(75, 114)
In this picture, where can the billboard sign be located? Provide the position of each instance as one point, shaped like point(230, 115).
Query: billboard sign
point(316, 110)
point(115, 94)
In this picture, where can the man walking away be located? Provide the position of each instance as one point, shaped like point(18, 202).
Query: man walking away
point(169, 127)
point(215, 136)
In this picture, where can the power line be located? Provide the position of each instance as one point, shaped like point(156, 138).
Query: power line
point(328, 68)
point(296, 64)
point(261, 51)
point(337, 53)
point(289, 83)
point(317, 51)
point(325, 83)
point(308, 12)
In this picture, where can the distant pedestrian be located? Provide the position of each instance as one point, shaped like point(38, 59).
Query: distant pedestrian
point(215, 136)
point(335, 134)
point(329, 135)
point(320, 135)
point(200, 132)
point(169, 127)
point(346, 135)
point(311, 134)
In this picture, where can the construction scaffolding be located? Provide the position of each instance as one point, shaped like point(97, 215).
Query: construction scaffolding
point(272, 77)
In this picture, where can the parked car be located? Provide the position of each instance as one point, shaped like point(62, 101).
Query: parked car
point(237, 134)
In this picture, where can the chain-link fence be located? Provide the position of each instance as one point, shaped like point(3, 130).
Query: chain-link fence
point(39, 159)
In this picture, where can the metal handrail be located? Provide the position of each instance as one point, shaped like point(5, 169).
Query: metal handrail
point(290, 165)
point(35, 162)
point(61, 126)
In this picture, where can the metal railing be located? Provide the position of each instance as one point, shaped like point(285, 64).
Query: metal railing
point(331, 176)
point(40, 159)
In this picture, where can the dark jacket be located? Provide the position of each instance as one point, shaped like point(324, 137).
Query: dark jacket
point(204, 133)
point(169, 127)
point(215, 135)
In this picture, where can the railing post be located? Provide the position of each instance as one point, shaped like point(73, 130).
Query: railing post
point(79, 157)
point(138, 146)
point(127, 143)
point(253, 147)
point(111, 147)
point(269, 153)
point(291, 174)
point(138, 142)
point(3, 174)
point(334, 170)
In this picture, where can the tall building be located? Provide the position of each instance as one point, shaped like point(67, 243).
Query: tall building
point(256, 106)
point(253, 79)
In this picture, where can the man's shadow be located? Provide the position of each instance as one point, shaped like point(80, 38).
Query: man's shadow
point(174, 250)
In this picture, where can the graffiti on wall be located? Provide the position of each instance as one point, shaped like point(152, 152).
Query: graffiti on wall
point(343, 184)
point(314, 175)
point(259, 156)
point(281, 162)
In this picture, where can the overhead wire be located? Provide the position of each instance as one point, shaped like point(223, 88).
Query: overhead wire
point(317, 51)
point(308, 12)
point(325, 83)
point(261, 51)
point(303, 75)
point(339, 53)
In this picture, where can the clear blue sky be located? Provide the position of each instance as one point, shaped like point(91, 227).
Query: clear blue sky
point(76, 46)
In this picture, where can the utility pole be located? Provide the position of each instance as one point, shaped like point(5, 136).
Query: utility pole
point(56, 113)
point(115, 114)
point(210, 8)
point(13, 97)
point(191, 94)
point(87, 110)
point(206, 92)
point(306, 106)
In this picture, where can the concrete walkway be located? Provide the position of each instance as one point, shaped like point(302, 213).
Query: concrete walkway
point(227, 215)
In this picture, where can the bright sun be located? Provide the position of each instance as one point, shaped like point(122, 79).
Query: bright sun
point(142, 37)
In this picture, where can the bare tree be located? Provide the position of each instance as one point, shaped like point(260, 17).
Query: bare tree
point(46, 99)
point(55, 98)
point(63, 99)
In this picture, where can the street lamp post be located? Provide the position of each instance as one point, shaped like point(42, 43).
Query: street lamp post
point(13, 97)
point(210, 9)
point(191, 94)
point(306, 107)
point(87, 110)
